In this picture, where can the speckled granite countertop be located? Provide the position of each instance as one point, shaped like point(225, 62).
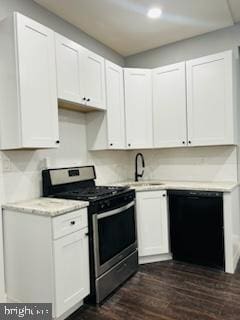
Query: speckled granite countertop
point(179, 185)
point(54, 207)
point(46, 206)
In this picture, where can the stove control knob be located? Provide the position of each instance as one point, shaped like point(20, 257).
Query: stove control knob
point(102, 205)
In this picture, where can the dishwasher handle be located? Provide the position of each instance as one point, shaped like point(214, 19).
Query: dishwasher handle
point(195, 193)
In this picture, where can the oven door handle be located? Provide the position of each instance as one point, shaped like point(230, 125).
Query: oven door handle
point(115, 211)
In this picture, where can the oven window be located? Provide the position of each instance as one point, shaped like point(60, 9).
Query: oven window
point(116, 233)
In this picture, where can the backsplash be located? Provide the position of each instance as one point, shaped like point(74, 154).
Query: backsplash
point(110, 166)
point(21, 170)
point(200, 164)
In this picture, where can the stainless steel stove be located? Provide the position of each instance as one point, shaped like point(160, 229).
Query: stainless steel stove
point(112, 227)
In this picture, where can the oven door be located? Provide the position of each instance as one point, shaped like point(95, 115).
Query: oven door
point(114, 236)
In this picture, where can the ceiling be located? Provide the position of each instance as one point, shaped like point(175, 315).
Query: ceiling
point(123, 25)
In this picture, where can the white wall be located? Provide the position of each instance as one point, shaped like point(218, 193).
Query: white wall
point(200, 164)
point(22, 169)
point(38, 13)
point(212, 42)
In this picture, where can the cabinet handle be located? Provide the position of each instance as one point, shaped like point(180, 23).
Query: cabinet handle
point(72, 223)
point(164, 195)
point(189, 142)
point(111, 144)
point(88, 100)
point(57, 141)
point(87, 234)
point(84, 98)
point(183, 142)
point(129, 144)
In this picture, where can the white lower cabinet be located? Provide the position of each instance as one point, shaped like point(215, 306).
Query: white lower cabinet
point(47, 259)
point(71, 258)
point(152, 224)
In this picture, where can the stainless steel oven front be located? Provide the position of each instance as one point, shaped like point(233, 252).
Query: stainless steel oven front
point(114, 236)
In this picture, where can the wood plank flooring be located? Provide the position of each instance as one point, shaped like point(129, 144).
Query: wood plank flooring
point(171, 291)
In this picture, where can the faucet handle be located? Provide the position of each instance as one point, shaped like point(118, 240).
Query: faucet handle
point(141, 174)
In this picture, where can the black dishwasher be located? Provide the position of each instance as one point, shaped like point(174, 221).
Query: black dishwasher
point(196, 227)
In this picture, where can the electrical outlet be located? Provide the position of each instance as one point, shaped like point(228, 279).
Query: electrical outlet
point(7, 166)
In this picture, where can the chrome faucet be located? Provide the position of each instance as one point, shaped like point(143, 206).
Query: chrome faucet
point(139, 175)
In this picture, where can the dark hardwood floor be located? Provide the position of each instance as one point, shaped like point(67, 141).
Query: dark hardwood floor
point(171, 291)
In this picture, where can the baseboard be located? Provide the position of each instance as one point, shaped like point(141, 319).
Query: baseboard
point(70, 311)
point(12, 300)
point(3, 298)
point(155, 258)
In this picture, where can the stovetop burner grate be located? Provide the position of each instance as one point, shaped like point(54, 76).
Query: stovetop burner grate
point(91, 193)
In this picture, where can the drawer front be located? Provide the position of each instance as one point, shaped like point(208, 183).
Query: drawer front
point(69, 222)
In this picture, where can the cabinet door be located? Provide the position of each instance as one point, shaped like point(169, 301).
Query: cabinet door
point(115, 106)
point(94, 80)
point(138, 106)
point(37, 83)
point(152, 223)
point(2, 281)
point(69, 80)
point(210, 100)
point(169, 106)
point(71, 256)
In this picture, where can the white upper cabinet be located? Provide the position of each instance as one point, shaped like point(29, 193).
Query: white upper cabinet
point(80, 74)
point(210, 100)
point(28, 96)
point(138, 107)
point(115, 105)
point(106, 130)
point(69, 70)
point(169, 106)
point(152, 223)
point(185, 104)
point(94, 80)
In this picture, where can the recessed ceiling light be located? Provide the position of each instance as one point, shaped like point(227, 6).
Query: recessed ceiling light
point(154, 13)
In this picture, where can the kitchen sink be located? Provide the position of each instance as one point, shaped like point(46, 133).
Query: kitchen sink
point(144, 184)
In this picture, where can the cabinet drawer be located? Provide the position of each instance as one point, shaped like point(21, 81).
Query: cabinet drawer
point(69, 222)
